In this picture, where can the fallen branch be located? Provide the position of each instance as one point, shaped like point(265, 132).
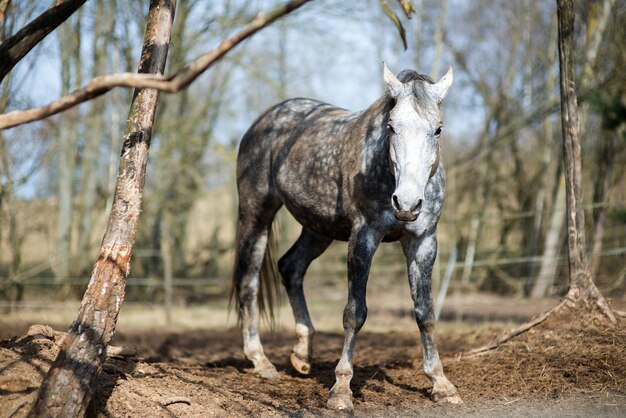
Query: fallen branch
point(517, 331)
point(572, 299)
point(171, 84)
point(115, 351)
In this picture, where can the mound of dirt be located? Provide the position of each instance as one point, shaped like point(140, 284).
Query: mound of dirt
point(569, 365)
point(24, 362)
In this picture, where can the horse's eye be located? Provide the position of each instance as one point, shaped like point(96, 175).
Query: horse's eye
point(390, 129)
point(438, 131)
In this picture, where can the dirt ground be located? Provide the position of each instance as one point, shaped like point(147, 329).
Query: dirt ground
point(570, 365)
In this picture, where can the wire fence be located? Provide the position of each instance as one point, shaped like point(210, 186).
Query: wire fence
point(45, 291)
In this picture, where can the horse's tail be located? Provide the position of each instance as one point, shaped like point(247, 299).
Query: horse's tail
point(269, 285)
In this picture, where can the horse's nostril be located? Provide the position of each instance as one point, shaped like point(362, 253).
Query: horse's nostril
point(395, 202)
point(417, 207)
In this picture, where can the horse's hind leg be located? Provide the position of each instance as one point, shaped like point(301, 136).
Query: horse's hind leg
point(252, 236)
point(292, 267)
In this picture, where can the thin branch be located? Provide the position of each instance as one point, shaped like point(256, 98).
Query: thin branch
point(477, 80)
point(14, 48)
point(171, 84)
point(542, 111)
point(546, 109)
point(572, 299)
point(517, 331)
point(121, 351)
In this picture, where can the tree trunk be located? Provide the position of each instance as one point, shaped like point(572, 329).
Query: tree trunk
point(102, 26)
point(601, 195)
point(552, 246)
point(478, 222)
point(65, 163)
point(596, 28)
point(547, 147)
point(7, 200)
point(582, 287)
point(441, 24)
point(4, 5)
point(168, 269)
point(69, 385)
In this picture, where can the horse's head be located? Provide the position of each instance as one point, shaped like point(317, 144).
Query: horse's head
point(414, 127)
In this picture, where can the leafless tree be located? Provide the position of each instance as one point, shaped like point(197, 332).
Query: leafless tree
point(67, 388)
point(582, 289)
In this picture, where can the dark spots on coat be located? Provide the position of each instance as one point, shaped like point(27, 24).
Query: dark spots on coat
point(331, 169)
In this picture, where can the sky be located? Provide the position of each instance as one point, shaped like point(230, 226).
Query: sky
point(334, 54)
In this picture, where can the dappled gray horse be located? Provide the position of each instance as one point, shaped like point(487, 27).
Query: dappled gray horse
point(364, 178)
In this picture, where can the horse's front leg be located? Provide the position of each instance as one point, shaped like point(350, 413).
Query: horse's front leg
point(420, 255)
point(361, 247)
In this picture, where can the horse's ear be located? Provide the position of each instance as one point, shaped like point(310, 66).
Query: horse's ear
point(440, 89)
point(392, 81)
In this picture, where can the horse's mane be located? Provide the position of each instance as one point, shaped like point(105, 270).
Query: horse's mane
point(409, 75)
point(420, 95)
point(419, 91)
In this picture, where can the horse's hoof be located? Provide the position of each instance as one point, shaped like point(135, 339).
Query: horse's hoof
point(447, 395)
point(267, 373)
point(303, 367)
point(451, 399)
point(340, 402)
point(266, 370)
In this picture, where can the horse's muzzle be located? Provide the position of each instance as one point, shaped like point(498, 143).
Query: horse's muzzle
point(405, 216)
point(400, 209)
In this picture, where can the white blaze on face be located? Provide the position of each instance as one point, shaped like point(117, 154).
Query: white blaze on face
point(414, 141)
point(414, 152)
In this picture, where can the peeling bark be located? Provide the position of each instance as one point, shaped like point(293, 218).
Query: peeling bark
point(68, 387)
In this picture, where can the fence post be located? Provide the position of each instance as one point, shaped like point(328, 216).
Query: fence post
point(443, 289)
point(166, 256)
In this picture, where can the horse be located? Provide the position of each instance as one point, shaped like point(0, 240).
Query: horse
point(366, 177)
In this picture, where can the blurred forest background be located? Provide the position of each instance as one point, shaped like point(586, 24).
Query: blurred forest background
point(503, 227)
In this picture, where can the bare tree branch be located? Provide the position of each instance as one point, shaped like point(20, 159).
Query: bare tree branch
point(4, 5)
point(171, 84)
point(542, 111)
point(14, 48)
